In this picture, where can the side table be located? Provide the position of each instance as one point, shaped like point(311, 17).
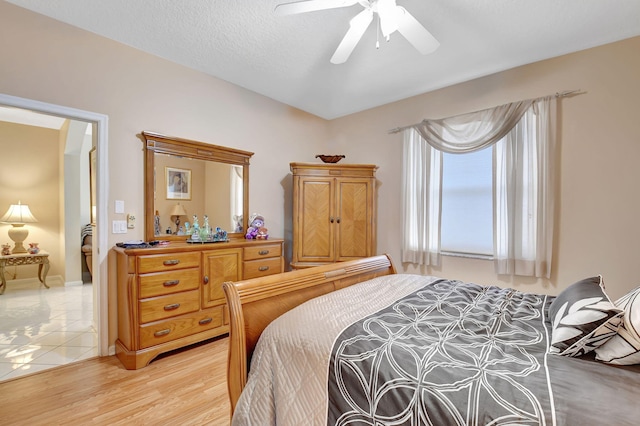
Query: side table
point(41, 259)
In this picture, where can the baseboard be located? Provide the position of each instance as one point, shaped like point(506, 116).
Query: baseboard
point(72, 283)
point(52, 280)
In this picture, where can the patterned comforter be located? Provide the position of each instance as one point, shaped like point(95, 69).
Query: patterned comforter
point(416, 350)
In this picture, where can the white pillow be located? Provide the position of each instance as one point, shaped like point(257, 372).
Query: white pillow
point(624, 347)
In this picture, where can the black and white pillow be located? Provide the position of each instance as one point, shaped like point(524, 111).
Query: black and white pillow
point(583, 318)
point(624, 347)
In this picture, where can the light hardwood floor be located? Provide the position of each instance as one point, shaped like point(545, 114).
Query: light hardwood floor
point(186, 387)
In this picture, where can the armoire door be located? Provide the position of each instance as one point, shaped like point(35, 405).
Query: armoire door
point(315, 218)
point(354, 218)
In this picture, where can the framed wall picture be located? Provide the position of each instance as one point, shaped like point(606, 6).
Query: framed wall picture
point(178, 183)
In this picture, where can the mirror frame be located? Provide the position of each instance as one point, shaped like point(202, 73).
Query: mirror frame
point(156, 143)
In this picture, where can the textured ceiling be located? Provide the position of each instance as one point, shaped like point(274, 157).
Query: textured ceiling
point(287, 57)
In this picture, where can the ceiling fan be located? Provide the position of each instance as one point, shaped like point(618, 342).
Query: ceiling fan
point(391, 18)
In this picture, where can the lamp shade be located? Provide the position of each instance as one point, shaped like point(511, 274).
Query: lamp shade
point(178, 210)
point(17, 216)
point(18, 213)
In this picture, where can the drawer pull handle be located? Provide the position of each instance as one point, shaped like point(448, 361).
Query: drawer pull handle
point(263, 252)
point(162, 332)
point(205, 321)
point(263, 268)
point(206, 279)
point(171, 307)
point(171, 283)
point(171, 262)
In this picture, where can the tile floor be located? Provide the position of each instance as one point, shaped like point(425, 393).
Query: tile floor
point(42, 328)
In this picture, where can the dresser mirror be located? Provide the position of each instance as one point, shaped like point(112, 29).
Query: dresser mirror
point(184, 178)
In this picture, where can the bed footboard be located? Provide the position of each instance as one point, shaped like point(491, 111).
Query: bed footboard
point(254, 303)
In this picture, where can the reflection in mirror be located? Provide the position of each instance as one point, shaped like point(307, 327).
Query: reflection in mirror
point(185, 178)
point(185, 187)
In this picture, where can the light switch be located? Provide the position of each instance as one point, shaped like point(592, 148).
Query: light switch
point(119, 206)
point(119, 227)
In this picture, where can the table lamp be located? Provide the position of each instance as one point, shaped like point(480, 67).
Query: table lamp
point(178, 211)
point(17, 216)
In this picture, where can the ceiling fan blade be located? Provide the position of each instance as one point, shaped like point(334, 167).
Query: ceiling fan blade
point(415, 33)
point(310, 6)
point(357, 26)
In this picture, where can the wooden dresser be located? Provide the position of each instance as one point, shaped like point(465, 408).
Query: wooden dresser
point(171, 296)
point(334, 213)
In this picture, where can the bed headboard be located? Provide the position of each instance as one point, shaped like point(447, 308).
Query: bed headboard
point(254, 303)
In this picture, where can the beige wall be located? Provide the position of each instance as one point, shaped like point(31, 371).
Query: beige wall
point(56, 63)
point(598, 197)
point(218, 199)
point(598, 200)
point(30, 173)
point(52, 62)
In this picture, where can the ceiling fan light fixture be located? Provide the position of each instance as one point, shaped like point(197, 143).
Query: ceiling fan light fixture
point(389, 16)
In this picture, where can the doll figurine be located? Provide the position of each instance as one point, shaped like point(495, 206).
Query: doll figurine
point(256, 228)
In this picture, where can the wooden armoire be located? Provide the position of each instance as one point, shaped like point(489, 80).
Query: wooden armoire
point(334, 213)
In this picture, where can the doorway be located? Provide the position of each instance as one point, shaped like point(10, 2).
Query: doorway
point(99, 247)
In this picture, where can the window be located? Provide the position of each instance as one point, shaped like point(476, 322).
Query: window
point(462, 207)
point(467, 203)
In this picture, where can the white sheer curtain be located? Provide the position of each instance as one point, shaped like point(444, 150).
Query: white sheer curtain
point(523, 194)
point(237, 186)
point(421, 199)
point(521, 133)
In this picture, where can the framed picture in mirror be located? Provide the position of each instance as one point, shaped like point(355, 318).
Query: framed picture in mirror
point(178, 183)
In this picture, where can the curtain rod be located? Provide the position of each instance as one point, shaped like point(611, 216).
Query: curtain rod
point(562, 94)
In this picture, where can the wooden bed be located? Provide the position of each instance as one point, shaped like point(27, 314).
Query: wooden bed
point(393, 348)
point(254, 303)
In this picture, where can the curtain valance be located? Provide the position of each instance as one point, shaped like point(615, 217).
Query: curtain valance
point(472, 131)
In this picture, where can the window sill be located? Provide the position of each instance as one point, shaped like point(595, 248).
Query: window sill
point(467, 255)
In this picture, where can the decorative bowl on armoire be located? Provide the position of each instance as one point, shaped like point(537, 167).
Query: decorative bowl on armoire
point(330, 158)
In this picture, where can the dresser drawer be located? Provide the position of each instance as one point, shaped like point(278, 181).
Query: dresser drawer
point(172, 305)
point(185, 325)
point(262, 251)
point(159, 283)
point(168, 262)
point(261, 268)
